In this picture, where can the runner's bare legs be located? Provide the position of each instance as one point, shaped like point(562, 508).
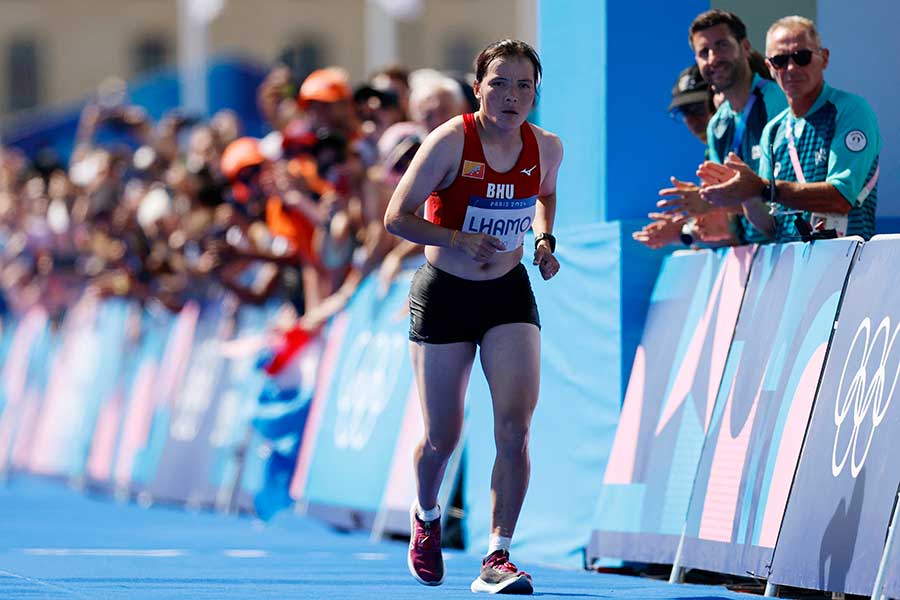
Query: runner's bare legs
point(442, 375)
point(510, 357)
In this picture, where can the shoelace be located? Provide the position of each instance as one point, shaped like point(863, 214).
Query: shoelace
point(500, 562)
point(423, 536)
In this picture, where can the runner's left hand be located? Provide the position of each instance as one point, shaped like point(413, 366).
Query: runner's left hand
point(545, 260)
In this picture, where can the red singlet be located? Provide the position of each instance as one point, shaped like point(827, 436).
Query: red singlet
point(481, 200)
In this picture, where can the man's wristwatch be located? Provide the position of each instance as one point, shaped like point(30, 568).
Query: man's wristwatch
point(545, 236)
point(769, 191)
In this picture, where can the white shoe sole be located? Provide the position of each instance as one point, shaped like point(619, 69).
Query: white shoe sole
point(520, 585)
point(412, 571)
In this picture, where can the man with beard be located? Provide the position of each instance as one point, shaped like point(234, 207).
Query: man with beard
point(723, 54)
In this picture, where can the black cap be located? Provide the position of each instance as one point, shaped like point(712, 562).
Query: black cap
point(689, 89)
point(374, 97)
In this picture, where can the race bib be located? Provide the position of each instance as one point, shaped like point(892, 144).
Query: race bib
point(507, 220)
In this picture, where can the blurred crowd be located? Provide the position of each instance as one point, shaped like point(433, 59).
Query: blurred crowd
point(189, 209)
point(185, 208)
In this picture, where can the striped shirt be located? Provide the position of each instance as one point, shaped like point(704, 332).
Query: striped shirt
point(837, 142)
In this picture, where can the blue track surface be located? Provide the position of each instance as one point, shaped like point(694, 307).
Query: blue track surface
point(59, 543)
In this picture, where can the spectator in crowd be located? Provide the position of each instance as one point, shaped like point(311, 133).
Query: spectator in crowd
point(276, 97)
point(723, 54)
point(819, 157)
point(326, 100)
point(396, 148)
point(435, 98)
point(692, 104)
point(394, 79)
point(376, 110)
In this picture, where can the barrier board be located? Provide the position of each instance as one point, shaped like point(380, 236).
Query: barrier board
point(357, 410)
point(146, 426)
point(763, 405)
point(186, 455)
point(677, 371)
point(82, 377)
point(138, 402)
point(847, 477)
point(22, 380)
point(229, 431)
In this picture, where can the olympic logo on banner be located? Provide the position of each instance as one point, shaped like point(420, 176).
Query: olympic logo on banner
point(370, 374)
point(866, 396)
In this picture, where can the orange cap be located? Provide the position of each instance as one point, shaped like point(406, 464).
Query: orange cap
point(242, 152)
point(325, 85)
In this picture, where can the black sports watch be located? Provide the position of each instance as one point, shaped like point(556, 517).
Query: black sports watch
point(769, 192)
point(545, 236)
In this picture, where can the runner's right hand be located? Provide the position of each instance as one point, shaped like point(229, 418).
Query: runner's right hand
point(480, 247)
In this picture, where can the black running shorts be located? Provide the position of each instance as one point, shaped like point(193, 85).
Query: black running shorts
point(445, 308)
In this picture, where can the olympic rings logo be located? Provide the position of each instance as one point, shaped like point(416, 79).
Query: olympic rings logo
point(367, 382)
point(863, 395)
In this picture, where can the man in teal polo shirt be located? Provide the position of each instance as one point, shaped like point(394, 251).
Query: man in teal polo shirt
point(819, 157)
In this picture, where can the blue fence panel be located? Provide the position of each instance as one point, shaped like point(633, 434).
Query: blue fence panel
point(147, 426)
point(763, 405)
point(677, 370)
point(847, 477)
point(82, 376)
point(356, 415)
point(20, 382)
point(186, 456)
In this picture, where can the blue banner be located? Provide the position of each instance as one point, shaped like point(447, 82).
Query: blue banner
point(83, 374)
point(101, 461)
point(7, 329)
point(146, 428)
point(763, 405)
point(589, 314)
point(139, 373)
point(22, 380)
point(357, 411)
point(232, 410)
point(677, 371)
point(847, 479)
point(185, 460)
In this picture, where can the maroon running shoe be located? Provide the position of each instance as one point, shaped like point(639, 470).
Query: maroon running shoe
point(499, 576)
point(425, 561)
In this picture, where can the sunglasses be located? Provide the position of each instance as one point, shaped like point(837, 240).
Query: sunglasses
point(801, 58)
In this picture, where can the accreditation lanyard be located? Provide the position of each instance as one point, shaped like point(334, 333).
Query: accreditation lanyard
point(792, 150)
point(836, 221)
point(740, 121)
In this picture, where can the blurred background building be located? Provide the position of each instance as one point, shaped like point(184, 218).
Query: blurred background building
point(54, 53)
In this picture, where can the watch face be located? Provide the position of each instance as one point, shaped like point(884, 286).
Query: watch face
point(545, 236)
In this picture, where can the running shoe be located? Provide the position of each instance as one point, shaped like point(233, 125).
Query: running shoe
point(425, 561)
point(499, 576)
